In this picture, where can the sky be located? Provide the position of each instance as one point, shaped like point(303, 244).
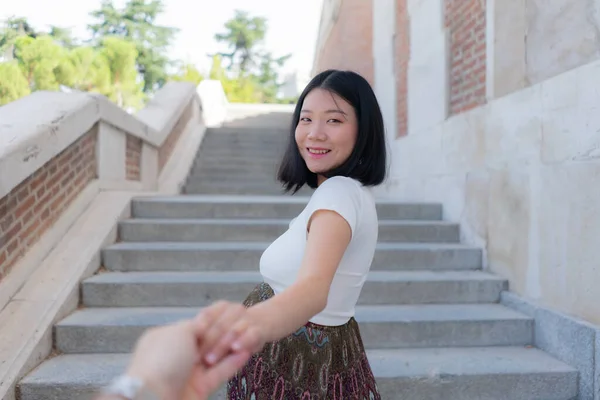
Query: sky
point(292, 26)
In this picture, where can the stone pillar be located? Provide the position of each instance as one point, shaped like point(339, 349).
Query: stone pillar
point(111, 153)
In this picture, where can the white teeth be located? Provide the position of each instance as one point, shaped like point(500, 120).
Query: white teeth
point(318, 151)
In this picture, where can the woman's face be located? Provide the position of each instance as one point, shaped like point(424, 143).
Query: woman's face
point(327, 131)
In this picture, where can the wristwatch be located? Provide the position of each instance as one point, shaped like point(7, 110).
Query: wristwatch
point(130, 388)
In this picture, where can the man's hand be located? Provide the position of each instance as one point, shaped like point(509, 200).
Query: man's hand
point(169, 361)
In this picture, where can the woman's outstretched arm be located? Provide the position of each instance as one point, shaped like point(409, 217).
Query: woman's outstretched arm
point(328, 237)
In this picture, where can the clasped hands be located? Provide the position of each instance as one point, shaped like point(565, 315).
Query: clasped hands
point(191, 359)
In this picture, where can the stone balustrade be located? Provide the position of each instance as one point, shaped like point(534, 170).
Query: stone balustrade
point(54, 146)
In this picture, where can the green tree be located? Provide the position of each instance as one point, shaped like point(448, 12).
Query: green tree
point(268, 76)
point(91, 71)
point(120, 56)
point(39, 59)
point(13, 28)
point(63, 36)
point(217, 72)
point(249, 66)
point(13, 84)
point(136, 22)
point(238, 90)
point(242, 35)
point(187, 73)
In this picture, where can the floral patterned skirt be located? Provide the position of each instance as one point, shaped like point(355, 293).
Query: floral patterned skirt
point(314, 363)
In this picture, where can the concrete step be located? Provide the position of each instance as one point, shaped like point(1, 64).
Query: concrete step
point(204, 187)
point(252, 181)
point(239, 177)
point(258, 122)
point(257, 139)
point(234, 256)
point(115, 330)
point(262, 132)
point(252, 159)
point(244, 151)
point(204, 169)
point(196, 289)
point(210, 206)
point(210, 230)
point(496, 373)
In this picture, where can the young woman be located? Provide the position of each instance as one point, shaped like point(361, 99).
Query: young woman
point(300, 321)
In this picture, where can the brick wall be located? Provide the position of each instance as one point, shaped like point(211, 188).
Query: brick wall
point(134, 158)
point(33, 206)
point(465, 21)
point(169, 144)
point(350, 43)
point(402, 48)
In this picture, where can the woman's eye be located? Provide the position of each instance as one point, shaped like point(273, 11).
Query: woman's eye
point(305, 119)
point(335, 121)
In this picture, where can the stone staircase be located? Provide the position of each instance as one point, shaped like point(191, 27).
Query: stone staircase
point(430, 318)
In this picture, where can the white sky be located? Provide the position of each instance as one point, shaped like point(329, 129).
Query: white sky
point(292, 26)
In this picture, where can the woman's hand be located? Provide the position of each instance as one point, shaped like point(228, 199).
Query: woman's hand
point(235, 329)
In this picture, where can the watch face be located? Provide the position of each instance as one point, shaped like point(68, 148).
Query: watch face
point(130, 388)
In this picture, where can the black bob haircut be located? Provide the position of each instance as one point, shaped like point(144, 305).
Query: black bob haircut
point(367, 162)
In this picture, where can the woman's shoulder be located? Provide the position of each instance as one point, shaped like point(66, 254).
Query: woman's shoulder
point(339, 190)
point(341, 183)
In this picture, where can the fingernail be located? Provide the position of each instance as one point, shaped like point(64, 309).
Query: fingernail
point(211, 358)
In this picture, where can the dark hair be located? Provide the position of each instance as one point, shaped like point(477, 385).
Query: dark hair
point(367, 162)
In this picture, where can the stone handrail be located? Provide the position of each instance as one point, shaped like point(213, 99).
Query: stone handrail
point(54, 146)
point(38, 127)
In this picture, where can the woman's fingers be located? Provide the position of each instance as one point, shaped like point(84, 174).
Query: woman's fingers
point(250, 340)
point(223, 346)
point(219, 329)
point(205, 318)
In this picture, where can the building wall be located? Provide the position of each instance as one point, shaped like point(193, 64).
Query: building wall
point(349, 41)
point(535, 40)
point(496, 107)
point(402, 52)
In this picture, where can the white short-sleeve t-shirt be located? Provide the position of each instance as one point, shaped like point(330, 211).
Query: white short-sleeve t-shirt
point(281, 261)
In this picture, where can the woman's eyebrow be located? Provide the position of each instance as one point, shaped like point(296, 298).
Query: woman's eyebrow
point(328, 111)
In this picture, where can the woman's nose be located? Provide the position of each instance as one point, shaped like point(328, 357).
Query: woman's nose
point(316, 133)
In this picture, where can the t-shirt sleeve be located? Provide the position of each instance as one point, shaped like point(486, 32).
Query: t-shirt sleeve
point(338, 194)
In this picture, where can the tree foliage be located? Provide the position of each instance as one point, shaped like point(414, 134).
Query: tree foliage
point(241, 89)
point(126, 57)
point(252, 74)
point(42, 61)
point(91, 72)
point(242, 35)
point(120, 56)
point(13, 84)
point(136, 22)
point(187, 73)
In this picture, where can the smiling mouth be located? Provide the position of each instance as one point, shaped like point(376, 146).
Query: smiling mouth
point(318, 151)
